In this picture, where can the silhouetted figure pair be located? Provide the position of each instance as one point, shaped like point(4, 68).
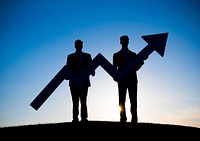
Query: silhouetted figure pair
point(79, 60)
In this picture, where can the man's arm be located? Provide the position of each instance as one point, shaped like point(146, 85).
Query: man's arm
point(68, 60)
point(115, 60)
point(140, 65)
point(93, 72)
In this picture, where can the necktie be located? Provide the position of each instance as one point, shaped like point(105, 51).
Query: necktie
point(126, 53)
point(80, 59)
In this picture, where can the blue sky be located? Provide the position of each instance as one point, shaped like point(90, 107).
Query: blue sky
point(36, 37)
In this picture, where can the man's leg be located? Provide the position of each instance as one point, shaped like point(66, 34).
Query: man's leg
point(122, 99)
point(83, 100)
point(133, 101)
point(75, 102)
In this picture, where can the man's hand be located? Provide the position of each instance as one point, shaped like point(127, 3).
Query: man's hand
point(93, 73)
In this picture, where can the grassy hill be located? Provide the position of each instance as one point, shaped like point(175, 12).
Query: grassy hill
point(97, 130)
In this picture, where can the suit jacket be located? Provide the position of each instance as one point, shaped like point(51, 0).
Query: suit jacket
point(73, 62)
point(120, 59)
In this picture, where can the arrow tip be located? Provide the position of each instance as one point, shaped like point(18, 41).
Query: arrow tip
point(157, 41)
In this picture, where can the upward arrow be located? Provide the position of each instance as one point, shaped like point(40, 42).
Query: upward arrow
point(155, 42)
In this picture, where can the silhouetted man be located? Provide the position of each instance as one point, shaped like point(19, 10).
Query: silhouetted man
point(76, 62)
point(120, 59)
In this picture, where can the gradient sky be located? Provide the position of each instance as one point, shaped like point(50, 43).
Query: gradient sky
point(36, 37)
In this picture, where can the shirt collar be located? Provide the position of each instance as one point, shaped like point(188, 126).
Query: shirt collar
point(124, 50)
point(78, 52)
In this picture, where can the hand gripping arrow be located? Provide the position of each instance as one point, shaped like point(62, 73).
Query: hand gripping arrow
point(155, 42)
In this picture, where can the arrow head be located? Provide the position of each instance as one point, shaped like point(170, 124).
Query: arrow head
point(157, 41)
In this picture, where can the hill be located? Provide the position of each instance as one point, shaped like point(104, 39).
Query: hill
point(100, 130)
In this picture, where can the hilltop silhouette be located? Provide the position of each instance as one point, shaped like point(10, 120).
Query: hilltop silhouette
point(97, 130)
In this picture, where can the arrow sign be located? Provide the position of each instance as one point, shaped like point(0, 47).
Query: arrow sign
point(155, 42)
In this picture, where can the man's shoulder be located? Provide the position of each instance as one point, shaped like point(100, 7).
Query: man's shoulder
point(118, 52)
point(71, 54)
point(132, 52)
point(86, 54)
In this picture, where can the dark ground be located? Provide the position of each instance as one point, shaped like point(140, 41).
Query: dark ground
point(98, 130)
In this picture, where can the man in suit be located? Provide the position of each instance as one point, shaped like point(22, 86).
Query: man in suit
point(120, 59)
point(77, 61)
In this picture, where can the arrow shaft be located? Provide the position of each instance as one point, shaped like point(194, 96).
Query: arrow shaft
point(66, 73)
point(108, 67)
point(136, 62)
point(98, 60)
point(144, 53)
point(48, 90)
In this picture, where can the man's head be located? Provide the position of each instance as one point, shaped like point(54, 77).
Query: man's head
point(124, 40)
point(78, 45)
